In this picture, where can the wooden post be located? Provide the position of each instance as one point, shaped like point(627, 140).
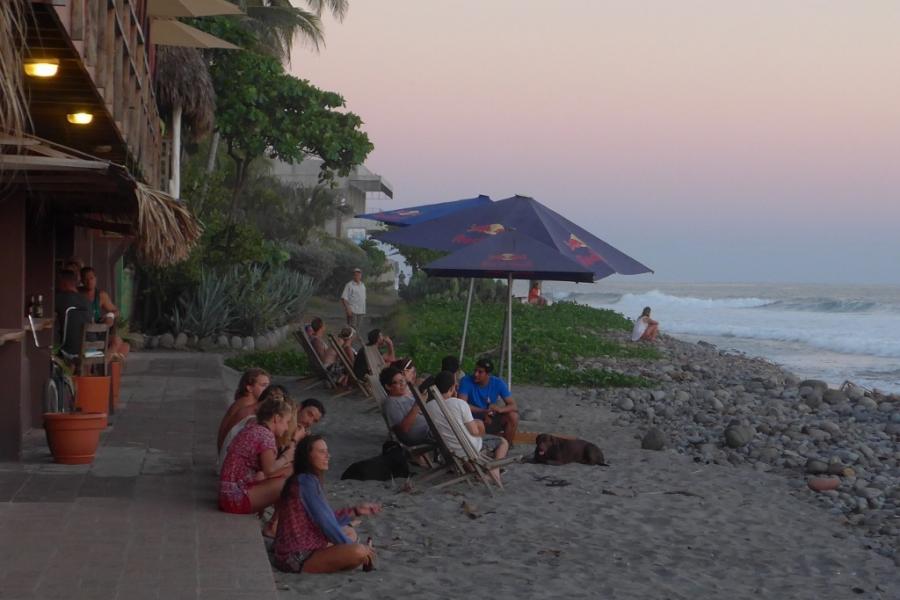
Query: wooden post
point(12, 311)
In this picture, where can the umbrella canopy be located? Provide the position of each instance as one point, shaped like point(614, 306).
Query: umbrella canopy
point(525, 215)
point(191, 8)
point(414, 215)
point(169, 32)
point(510, 253)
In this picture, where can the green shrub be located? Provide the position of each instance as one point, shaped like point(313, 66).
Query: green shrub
point(312, 260)
point(347, 255)
point(207, 310)
point(263, 298)
point(276, 362)
point(547, 341)
point(422, 287)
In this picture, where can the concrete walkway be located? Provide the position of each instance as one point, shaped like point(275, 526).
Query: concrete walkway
point(141, 521)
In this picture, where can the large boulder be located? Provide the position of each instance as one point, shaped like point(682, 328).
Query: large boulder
point(181, 341)
point(817, 384)
point(249, 344)
point(834, 396)
point(236, 342)
point(262, 342)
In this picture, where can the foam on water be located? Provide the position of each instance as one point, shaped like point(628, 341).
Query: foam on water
point(800, 327)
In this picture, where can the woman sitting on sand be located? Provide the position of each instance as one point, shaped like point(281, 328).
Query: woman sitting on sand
point(246, 397)
point(311, 537)
point(645, 328)
point(252, 476)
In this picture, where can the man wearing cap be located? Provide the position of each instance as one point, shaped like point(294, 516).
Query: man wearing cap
point(482, 391)
point(354, 300)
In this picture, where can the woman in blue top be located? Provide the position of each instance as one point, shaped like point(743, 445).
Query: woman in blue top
point(311, 537)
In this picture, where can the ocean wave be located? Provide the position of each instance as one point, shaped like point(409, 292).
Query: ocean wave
point(656, 298)
point(832, 305)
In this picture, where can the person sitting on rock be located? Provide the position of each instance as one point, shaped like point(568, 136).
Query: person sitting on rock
point(645, 328)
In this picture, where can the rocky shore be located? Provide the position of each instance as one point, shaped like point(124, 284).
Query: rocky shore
point(841, 447)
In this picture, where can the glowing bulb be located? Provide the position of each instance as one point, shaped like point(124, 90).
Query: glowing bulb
point(80, 118)
point(45, 67)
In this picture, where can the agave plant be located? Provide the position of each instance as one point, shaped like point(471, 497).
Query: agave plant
point(263, 298)
point(207, 310)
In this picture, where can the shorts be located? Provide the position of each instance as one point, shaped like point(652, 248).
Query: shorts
point(236, 505)
point(293, 562)
point(495, 426)
point(489, 445)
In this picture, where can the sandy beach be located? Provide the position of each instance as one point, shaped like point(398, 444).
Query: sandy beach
point(654, 524)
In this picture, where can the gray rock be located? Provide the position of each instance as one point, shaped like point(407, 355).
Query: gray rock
point(815, 384)
point(658, 395)
point(816, 467)
point(262, 342)
point(249, 344)
point(208, 343)
point(625, 403)
point(868, 403)
point(854, 392)
point(154, 342)
point(869, 493)
point(813, 399)
point(831, 428)
point(167, 340)
point(222, 341)
point(654, 439)
point(836, 468)
point(682, 396)
point(892, 429)
point(738, 436)
point(181, 341)
point(834, 396)
point(717, 405)
point(236, 342)
point(137, 340)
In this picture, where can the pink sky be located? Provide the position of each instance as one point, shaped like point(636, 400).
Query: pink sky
point(711, 140)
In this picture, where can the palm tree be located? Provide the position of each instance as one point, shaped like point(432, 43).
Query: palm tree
point(184, 90)
point(277, 23)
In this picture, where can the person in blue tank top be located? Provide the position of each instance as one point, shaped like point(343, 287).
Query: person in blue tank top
point(484, 393)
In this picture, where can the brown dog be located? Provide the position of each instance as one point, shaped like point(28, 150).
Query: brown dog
point(554, 450)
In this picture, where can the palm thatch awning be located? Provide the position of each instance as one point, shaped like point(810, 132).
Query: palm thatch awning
point(100, 195)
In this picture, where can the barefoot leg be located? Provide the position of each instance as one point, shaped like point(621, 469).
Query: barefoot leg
point(342, 557)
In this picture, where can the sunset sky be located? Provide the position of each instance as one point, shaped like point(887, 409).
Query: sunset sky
point(712, 141)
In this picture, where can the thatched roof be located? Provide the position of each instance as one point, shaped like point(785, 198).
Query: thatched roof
point(13, 105)
point(166, 229)
point(101, 195)
point(182, 77)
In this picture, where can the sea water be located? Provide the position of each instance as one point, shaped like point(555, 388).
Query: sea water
point(829, 332)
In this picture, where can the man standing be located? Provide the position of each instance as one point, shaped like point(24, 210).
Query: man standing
point(482, 391)
point(354, 300)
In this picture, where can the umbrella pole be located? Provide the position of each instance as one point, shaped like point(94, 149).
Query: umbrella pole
point(462, 344)
point(509, 326)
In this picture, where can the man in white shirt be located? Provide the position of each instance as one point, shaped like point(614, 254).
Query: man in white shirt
point(491, 446)
point(354, 300)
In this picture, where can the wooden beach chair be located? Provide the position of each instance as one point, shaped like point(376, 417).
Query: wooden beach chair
point(347, 365)
point(474, 459)
point(374, 359)
point(380, 396)
point(321, 374)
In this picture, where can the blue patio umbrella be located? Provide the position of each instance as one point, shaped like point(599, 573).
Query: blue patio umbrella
point(525, 215)
point(403, 217)
point(527, 218)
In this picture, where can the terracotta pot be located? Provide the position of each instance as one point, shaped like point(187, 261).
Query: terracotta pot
point(92, 393)
point(73, 437)
point(115, 374)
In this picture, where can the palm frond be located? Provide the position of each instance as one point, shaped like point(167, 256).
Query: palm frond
point(278, 26)
point(13, 104)
point(337, 8)
point(167, 231)
point(182, 78)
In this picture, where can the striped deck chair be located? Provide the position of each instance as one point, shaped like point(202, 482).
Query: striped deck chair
point(321, 374)
point(474, 459)
point(347, 364)
point(380, 396)
point(374, 359)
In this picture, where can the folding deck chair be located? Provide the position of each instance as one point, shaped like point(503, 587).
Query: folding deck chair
point(348, 367)
point(475, 460)
point(380, 397)
point(322, 375)
point(374, 359)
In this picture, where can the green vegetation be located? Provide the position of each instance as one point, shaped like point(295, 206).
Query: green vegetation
point(281, 361)
point(546, 340)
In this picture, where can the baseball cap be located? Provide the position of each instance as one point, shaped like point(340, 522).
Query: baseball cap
point(357, 270)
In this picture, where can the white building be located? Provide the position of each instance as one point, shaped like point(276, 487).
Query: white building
point(363, 190)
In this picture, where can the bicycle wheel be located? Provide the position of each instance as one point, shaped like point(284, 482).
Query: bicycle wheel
point(53, 401)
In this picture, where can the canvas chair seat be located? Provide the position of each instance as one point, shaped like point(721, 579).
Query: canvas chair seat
point(320, 373)
point(380, 396)
point(347, 365)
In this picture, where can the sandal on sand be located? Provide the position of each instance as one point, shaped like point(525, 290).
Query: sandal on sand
point(369, 566)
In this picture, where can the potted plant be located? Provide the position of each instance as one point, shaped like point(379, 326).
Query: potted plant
point(72, 435)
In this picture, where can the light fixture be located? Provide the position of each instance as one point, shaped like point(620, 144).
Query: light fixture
point(41, 67)
point(80, 118)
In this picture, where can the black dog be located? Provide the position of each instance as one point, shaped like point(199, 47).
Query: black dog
point(554, 450)
point(390, 465)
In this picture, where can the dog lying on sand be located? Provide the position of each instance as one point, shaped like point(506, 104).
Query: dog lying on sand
point(552, 450)
point(391, 464)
